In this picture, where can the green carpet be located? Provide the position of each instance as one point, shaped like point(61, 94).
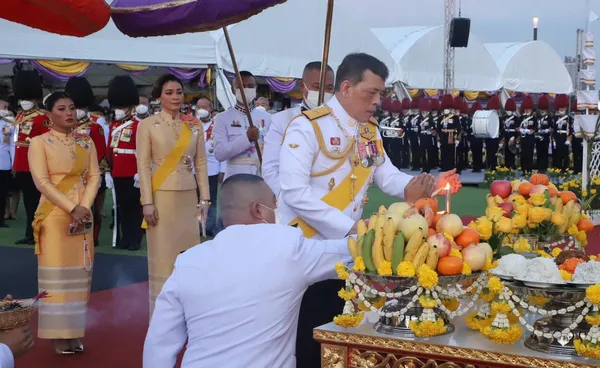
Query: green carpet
point(469, 202)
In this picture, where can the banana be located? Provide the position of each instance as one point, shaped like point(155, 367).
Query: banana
point(377, 252)
point(361, 241)
point(421, 255)
point(380, 221)
point(353, 247)
point(398, 251)
point(361, 228)
point(563, 228)
point(568, 209)
point(367, 249)
point(413, 245)
point(575, 218)
point(382, 210)
point(491, 202)
point(372, 222)
point(389, 232)
point(432, 257)
point(558, 205)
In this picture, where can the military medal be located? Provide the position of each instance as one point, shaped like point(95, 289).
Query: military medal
point(187, 160)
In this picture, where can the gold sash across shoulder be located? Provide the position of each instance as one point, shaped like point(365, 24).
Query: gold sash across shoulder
point(171, 161)
point(64, 186)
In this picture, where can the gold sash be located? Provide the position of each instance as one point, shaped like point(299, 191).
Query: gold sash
point(171, 161)
point(340, 197)
point(64, 186)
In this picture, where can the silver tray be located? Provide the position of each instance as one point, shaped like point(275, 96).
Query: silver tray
point(540, 284)
point(580, 285)
point(502, 277)
point(407, 282)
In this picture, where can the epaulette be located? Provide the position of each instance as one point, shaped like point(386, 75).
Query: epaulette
point(317, 113)
point(374, 121)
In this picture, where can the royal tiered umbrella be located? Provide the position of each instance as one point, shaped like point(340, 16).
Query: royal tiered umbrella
point(147, 18)
point(77, 18)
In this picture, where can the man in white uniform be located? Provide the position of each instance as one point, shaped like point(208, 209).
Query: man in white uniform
point(233, 136)
point(235, 299)
point(329, 158)
point(7, 157)
point(216, 169)
point(311, 81)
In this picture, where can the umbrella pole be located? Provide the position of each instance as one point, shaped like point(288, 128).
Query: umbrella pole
point(326, 43)
point(240, 83)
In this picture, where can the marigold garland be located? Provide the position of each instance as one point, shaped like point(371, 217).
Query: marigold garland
point(455, 253)
point(405, 269)
point(500, 307)
point(451, 304)
point(359, 264)
point(486, 296)
point(347, 294)
point(507, 336)
point(587, 349)
point(466, 269)
point(538, 300)
point(556, 252)
point(427, 302)
point(427, 328)
point(593, 294)
point(495, 286)
point(385, 268)
point(348, 320)
point(593, 318)
point(428, 278)
point(341, 270)
point(376, 303)
point(488, 264)
point(476, 322)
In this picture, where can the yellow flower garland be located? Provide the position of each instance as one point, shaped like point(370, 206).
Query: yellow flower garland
point(405, 269)
point(587, 349)
point(495, 286)
point(347, 294)
point(385, 268)
point(427, 302)
point(488, 264)
point(593, 293)
point(538, 300)
point(476, 322)
point(455, 253)
point(348, 320)
point(507, 336)
point(341, 270)
point(500, 307)
point(466, 269)
point(428, 278)
point(428, 328)
point(593, 318)
point(451, 304)
point(486, 296)
point(376, 303)
point(359, 264)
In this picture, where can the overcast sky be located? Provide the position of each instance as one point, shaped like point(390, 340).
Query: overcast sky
point(491, 20)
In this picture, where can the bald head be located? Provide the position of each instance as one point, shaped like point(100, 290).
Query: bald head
point(246, 200)
point(263, 101)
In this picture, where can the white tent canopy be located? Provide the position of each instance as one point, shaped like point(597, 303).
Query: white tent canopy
point(418, 53)
point(280, 41)
point(532, 67)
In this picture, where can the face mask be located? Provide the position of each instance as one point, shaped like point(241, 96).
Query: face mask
point(434, 113)
point(446, 112)
point(141, 109)
point(3, 113)
point(275, 212)
point(81, 114)
point(395, 116)
point(509, 113)
point(119, 114)
point(527, 113)
point(249, 92)
point(312, 98)
point(260, 108)
point(202, 114)
point(26, 105)
point(562, 112)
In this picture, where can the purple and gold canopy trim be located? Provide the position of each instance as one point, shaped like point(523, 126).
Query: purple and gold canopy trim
point(147, 18)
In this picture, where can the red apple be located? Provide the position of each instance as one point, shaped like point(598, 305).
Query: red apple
point(538, 189)
point(443, 244)
point(501, 188)
point(507, 207)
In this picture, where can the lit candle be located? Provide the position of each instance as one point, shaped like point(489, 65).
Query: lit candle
point(447, 197)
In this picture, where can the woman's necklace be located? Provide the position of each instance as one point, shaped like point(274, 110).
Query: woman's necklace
point(67, 141)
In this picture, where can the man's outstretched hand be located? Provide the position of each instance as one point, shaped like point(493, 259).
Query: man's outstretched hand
point(448, 177)
point(420, 186)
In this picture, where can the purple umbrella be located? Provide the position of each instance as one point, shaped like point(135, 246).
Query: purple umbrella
point(146, 18)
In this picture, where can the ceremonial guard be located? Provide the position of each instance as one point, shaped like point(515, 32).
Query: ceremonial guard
point(510, 125)
point(311, 81)
point(123, 98)
point(462, 150)
point(329, 158)
point(405, 139)
point(426, 132)
point(492, 144)
point(449, 129)
point(82, 95)
point(476, 143)
point(234, 138)
point(7, 157)
point(528, 125)
point(31, 122)
point(576, 142)
point(414, 124)
point(397, 136)
point(562, 133)
point(435, 114)
point(385, 121)
point(542, 137)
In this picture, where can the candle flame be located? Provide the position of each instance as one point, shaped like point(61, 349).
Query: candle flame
point(447, 186)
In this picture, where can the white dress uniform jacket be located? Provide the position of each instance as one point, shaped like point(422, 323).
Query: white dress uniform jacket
point(7, 359)
point(301, 193)
point(214, 166)
point(7, 145)
point(270, 165)
point(236, 298)
point(231, 142)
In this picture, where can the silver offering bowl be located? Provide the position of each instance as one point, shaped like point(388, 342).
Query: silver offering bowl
point(559, 297)
point(399, 326)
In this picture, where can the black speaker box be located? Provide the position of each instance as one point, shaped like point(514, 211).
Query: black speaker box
point(459, 32)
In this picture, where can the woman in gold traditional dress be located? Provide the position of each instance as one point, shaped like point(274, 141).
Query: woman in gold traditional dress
point(64, 167)
point(170, 148)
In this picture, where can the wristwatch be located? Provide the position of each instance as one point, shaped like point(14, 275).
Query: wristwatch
point(205, 202)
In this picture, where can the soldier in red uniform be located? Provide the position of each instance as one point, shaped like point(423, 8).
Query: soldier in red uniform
point(123, 98)
point(82, 95)
point(30, 123)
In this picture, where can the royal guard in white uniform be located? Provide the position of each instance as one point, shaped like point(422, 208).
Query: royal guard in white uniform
point(405, 139)
point(561, 135)
point(510, 125)
point(528, 125)
point(476, 143)
point(82, 94)
point(397, 136)
point(30, 122)
point(414, 123)
point(123, 98)
point(385, 121)
point(492, 144)
point(234, 138)
point(329, 158)
point(448, 130)
point(7, 157)
point(435, 114)
point(544, 132)
point(311, 81)
point(427, 130)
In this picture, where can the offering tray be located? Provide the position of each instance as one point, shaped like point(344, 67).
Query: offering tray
point(558, 298)
point(399, 326)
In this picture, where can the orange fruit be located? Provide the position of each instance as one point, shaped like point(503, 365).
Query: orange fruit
point(429, 202)
point(524, 189)
point(539, 179)
point(566, 196)
point(585, 225)
point(553, 191)
point(449, 265)
point(431, 232)
point(466, 238)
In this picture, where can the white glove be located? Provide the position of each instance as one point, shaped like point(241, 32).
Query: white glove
point(136, 180)
point(439, 145)
point(457, 143)
point(109, 181)
point(567, 143)
point(525, 131)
